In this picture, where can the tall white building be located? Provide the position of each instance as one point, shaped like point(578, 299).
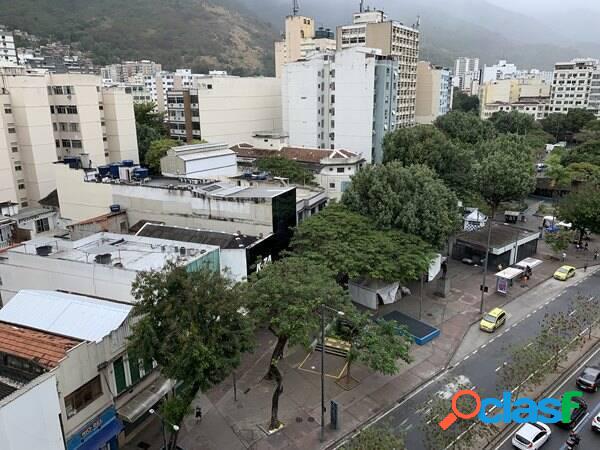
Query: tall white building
point(126, 71)
point(576, 85)
point(346, 99)
point(373, 29)
point(500, 71)
point(8, 51)
point(48, 117)
point(466, 73)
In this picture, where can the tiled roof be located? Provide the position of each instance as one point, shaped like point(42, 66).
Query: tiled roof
point(45, 349)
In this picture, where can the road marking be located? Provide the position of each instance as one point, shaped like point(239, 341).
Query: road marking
point(528, 316)
point(529, 345)
point(466, 357)
point(572, 312)
point(499, 367)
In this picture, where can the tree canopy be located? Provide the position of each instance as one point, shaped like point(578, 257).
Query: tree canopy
point(158, 149)
point(513, 122)
point(464, 102)
point(465, 127)
point(412, 199)
point(589, 152)
point(582, 209)
point(149, 127)
point(564, 126)
point(286, 168)
point(190, 324)
point(375, 438)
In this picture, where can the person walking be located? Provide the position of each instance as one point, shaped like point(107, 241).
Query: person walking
point(585, 264)
point(586, 247)
point(596, 255)
point(564, 256)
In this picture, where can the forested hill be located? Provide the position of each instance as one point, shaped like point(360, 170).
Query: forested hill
point(199, 34)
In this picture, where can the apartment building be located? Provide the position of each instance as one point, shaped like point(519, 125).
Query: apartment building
point(47, 117)
point(434, 92)
point(8, 51)
point(466, 74)
point(527, 95)
point(373, 29)
point(576, 85)
point(500, 71)
point(222, 108)
point(347, 99)
point(126, 71)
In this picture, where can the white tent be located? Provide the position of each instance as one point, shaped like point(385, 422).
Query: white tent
point(370, 293)
point(474, 220)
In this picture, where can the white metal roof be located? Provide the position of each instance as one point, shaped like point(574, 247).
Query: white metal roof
point(70, 315)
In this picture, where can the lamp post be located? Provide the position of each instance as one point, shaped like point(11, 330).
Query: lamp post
point(162, 423)
point(322, 312)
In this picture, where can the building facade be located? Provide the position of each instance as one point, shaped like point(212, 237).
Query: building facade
point(346, 99)
point(466, 73)
point(199, 161)
point(434, 92)
point(49, 117)
point(8, 51)
point(500, 71)
point(576, 85)
point(126, 71)
point(373, 29)
point(527, 95)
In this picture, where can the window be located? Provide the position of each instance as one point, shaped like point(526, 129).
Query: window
point(332, 185)
point(71, 109)
point(18, 167)
point(194, 98)
point(119, 371)
point(63, 126)
point(41, 224)
point(24, 204)
point(15, 149)
point(49, 90)
point(134, 371)
point(21, 186)
point(100, 107)
point(7, 109)
point(83, 396)
point(12, 130)
point(66, 143)
point(58, 90)
point(340, 170)
point(61, 109)
point(69, 90)
point(74, 126)
point(76, 143)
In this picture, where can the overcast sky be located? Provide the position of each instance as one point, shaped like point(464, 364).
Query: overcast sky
point(541, 5)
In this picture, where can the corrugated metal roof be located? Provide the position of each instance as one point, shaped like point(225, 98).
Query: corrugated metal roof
point(71, 315)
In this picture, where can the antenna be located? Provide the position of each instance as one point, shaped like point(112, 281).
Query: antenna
point(418, 22)
point(362, 6)
point(295, 8)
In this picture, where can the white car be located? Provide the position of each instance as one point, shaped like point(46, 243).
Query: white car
point(596, 423)
point(531, 436)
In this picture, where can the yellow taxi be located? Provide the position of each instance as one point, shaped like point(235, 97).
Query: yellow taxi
point(493, 320)
point(564, 272)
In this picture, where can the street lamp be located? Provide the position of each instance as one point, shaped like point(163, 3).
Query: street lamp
point(341, 314)
point(162, 422)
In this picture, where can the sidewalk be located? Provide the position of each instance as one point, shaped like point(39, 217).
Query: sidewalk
point(229, 424)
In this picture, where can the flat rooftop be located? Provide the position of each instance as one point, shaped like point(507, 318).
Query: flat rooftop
point(135, 253)
point(502, 235)
point(220, 239)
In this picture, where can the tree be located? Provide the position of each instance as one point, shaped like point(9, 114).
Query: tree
point(190, 324)
point(522, 371)
point(286, 168)
point(412, 199)
point(584, 172)
point(579, 118)
point(287, 296)
point(555, 337)
point(464, 102)
point(585, 313)
point(588, 152)
point(149, 126)
point(158, 149)
point(581, 209)
point(590, 132)
point(557, 125)
point(513, 122)
point(350, 245)
point(504, 174)
point(375, 438)
point(560, 240)
point(465, 127)
point(425, 144)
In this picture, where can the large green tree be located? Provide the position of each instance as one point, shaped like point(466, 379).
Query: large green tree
point(588, 152)
point(590, 132)
point(465, 127)
point(286, 168)
point(375, 438)
point(412, 199)
point(158, 149)
point(564, 126)
point(426, 144)
point(191, 324)
point(582, 209)
point(513, 122)
point(464, 102)
point(350, 245)
point(149, 127)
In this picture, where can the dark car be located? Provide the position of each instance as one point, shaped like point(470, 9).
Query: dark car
point(576, 415)
point(589, 380)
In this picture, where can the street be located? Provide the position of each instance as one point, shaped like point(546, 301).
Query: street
point(479, 368)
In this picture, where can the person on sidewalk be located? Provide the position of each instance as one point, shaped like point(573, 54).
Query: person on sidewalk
point(596, 255)
point(564, 256)
point(585, 266)
point(585, 247)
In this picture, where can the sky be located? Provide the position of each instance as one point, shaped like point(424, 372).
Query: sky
point(530, 6)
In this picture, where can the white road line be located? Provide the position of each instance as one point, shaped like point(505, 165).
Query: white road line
point(528, 316)
point(498, 368)
point(529, 345)
point(466, 357)
point(572, 312)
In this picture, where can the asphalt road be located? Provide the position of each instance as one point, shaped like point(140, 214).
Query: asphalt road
point(479, 368)
point(590, 440)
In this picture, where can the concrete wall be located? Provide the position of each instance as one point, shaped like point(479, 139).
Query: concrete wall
point(80, 200)
point(29, 417)
point(8, 176)
point(234, 264)
point(120, 125)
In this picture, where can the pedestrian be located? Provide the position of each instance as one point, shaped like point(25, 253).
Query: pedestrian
point(585, 266)
point(564, 256)
point(578, 246)
point(595, 255)
point(586, 247)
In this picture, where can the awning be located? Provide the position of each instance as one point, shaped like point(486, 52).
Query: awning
point(509, 273)
point(100, 438)
point(146, 399)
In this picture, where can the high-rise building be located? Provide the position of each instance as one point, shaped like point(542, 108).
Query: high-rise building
point(373, 29)
point(299, 40)
point(46, 117)
point(500, 71)
point(345, 99)
point(466, 74)
point(434, 92)
point(126, 71)
point(221, 108)
point(8, 51)
point(526, 95)
point(576, 85)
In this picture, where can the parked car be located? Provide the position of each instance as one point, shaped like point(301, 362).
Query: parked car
point(564, 272)
point(493, 320)
point(531, 436)
point(589, 380)
point(577, 415)
point(596, 423)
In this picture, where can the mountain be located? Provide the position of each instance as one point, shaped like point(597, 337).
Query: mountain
point(199, 34)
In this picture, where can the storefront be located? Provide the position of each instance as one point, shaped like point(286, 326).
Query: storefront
point(98, 434)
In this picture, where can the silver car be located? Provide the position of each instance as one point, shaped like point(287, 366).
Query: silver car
point(531, 436)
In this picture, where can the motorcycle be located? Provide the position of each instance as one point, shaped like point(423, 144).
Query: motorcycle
point(573, 442)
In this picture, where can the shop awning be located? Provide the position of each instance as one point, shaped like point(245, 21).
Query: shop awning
point(100, 438)
point(146, 399)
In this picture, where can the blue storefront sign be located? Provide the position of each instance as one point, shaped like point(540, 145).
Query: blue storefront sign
point(98, 433)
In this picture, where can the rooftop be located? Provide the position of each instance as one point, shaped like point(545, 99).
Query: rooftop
point(45, 349)
point(502, 235)
point(76, 316)
point(126, 252)
point(223, 240)
point(300, 154)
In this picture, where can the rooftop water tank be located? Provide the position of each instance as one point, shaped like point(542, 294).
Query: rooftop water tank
point(104, 171)
point(114, 170)
point(128, 162)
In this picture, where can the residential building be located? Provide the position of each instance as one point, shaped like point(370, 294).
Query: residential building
point(8, 51)
point(48, 117)
point(32, 221)
point(199, 161)
point(332, 169)
point(347, 99)
point(221, 108)
point(527, 95)
point(576, 85)
point(112, 222)
point(466, 73)
point(125, 71)
point(103, 393)
point(434, 92)
point(534, 106)
point(101, 265)
point(500, 71)
point(373, 29)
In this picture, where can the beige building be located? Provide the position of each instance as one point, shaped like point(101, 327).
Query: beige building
point(126, 71)
point(527, 95)
point(300, 38)
point(434, 92)
point(48, 117)
point(373, 29)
